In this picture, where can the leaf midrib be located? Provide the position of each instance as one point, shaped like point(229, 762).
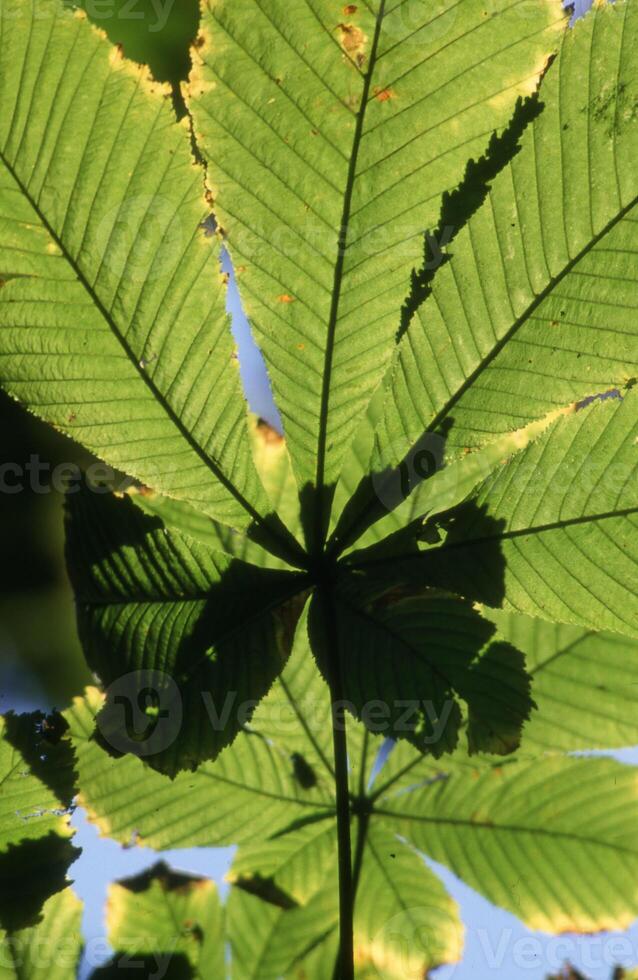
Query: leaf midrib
point(210, 464)
point(470, 542)
point(528, 312)
point(397, 638)
point(320, 519)
point(484, 363)
point(507, 829)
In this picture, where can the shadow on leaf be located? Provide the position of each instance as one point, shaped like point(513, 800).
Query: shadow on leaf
point(30, 873)
point(458, 206)
point(185, 640)
point(39, 739)
point(413, 650)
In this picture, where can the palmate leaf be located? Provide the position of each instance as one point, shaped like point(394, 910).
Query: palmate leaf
point(164, 616)
point(545, 813)
point(166, 920)
point(37, 784)
point(329, 148)
point(162, 613)
point(112, 308)
point(184, 618)
point(49, 950)
point(541, 282)
point(317, 134)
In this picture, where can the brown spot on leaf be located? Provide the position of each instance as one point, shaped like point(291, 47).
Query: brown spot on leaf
point(353, 41)
point(384, 94)
point(270, 436)
point(285, 298)
point(350, 9)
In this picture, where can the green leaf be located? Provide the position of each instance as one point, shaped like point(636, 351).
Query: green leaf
point(251, 790)
point(298, 712)
point(405, 923)
point(273, 465)
point(422, 486)
point(536, 308)
point(583, 684)
point(103, 250)
point(317, 134)
point(287, 870)
point(407, 655)
point(166, 625)
point(283, 902)
point(552, 840)
point(49, 950)
point(575, 815)
point(37, 780)
point(168, 920)
point(551, 533)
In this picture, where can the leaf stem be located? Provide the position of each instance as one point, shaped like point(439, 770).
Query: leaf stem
point(344, 967)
